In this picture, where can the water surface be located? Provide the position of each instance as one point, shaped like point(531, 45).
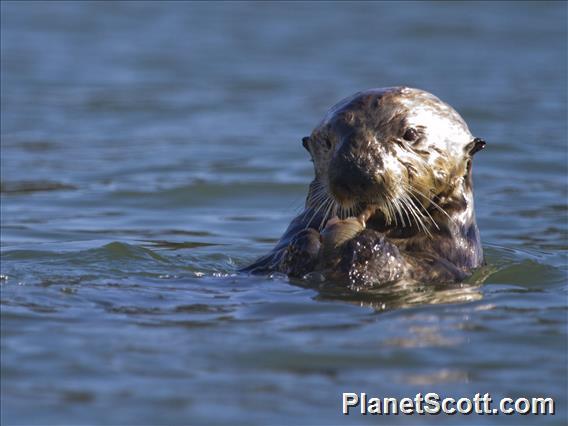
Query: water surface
point(150, 149)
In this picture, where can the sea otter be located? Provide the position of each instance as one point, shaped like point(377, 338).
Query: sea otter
point(392, 197)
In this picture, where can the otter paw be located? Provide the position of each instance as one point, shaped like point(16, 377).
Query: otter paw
point(369, 259)
point(301, 255)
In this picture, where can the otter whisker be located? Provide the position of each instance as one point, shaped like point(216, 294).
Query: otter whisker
point(391, 214)
point(314, 200)
point(322, 204)
point(415, 199)
point(396, 204)
point(431, 201)
point(335, 210)
point(318, 198)
point(319, 195)
point(417, 212)
point(321, 209)
point(405, 208)
point(386, 209)
point(327, 211)
point(418, 215)
point(422, 218)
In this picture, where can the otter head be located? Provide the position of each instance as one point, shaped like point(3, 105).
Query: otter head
point(399, 150)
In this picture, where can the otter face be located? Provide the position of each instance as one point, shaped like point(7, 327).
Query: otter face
point(396, 149)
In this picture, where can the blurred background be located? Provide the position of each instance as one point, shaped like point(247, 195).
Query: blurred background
point(150, 148)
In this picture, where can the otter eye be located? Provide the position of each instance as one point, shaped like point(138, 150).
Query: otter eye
point(410, 135)
point(327, 143)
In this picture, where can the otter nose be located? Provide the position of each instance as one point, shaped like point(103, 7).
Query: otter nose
point(350, 178)
point(354, 167)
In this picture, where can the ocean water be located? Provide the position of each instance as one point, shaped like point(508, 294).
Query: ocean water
point(148, 150)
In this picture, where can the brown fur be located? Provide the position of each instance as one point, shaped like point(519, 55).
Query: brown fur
point(404, 157)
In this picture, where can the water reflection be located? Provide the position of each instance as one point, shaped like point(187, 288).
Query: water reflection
point(442, 376)
point(399, 295)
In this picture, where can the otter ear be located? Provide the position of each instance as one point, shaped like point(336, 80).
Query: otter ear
point(474, 146)
point(305, 141)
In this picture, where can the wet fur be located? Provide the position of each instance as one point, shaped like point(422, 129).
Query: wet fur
point(364, 133)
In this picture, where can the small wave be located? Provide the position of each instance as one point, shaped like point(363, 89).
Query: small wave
point(118, 250)
point(22, 187)
point(110, 252)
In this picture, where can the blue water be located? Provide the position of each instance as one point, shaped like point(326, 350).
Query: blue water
point(150, 149)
